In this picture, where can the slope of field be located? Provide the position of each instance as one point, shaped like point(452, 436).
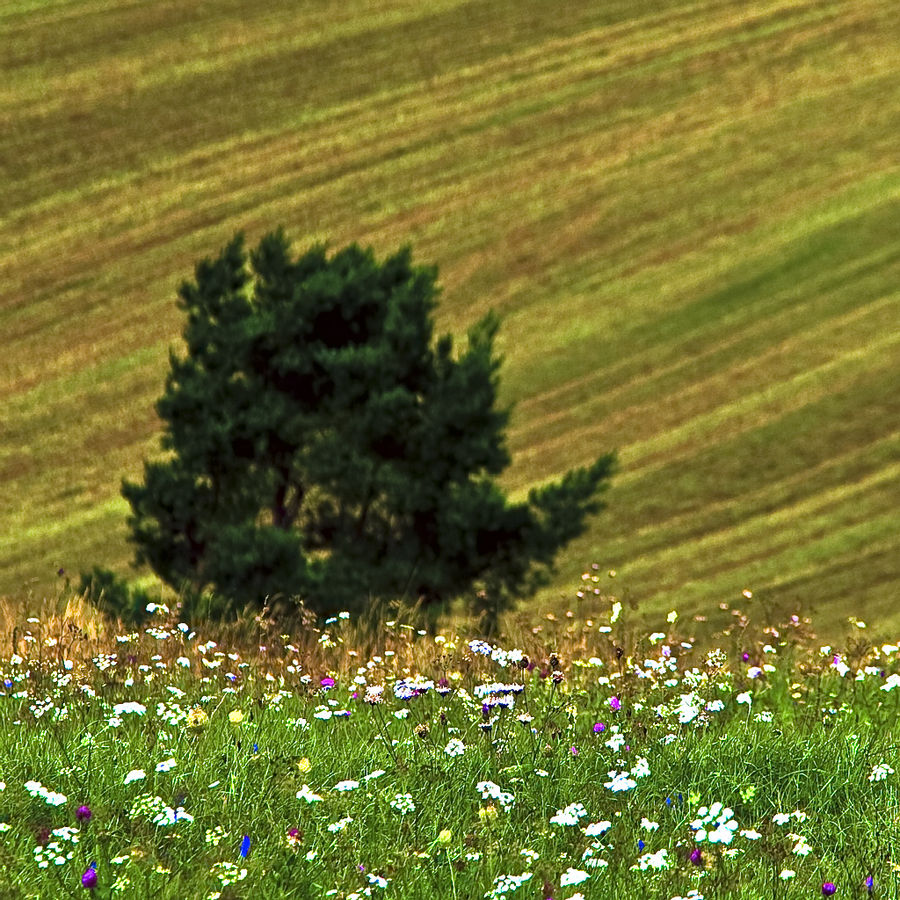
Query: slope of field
point(687, 212)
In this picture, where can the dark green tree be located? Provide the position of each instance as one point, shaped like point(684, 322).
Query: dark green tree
point(322, 446)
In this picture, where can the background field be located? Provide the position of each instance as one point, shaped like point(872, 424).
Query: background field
point(687, 212)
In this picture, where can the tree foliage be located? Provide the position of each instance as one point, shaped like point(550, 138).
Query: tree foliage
point(322, 445)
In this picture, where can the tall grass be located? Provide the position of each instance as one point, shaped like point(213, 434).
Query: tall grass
point(576, 756)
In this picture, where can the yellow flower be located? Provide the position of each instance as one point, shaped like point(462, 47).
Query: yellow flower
point(445, 837)
point(235, 717)
point(488, 814)
point(303, 765)
point(197, 719)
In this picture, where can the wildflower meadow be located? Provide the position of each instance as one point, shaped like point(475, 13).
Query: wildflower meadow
point(571, 757)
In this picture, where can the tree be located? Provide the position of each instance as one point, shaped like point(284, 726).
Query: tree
point(322, 446)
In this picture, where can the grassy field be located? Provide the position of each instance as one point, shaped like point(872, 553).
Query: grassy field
point(688, 214)
point(583, 759)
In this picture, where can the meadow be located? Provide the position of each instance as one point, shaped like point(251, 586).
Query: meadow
point(577, 757)
point(685, 211)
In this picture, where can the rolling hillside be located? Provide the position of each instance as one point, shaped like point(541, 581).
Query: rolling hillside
point(687, 212)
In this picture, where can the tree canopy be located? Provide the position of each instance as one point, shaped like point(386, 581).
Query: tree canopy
point(320, 444)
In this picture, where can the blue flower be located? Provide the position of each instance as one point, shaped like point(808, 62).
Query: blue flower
point(245, 846)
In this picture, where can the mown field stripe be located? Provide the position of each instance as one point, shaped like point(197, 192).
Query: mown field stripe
point(686, 213)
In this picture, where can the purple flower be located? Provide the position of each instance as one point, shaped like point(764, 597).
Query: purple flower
point(615, 703)
point(83, 813)
point(598, 727)
point(573, 751)
point(696, 856)
point(869, 883)
point(828, 889)
point(745, 657)
point(326, 682)
point(89, 879)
